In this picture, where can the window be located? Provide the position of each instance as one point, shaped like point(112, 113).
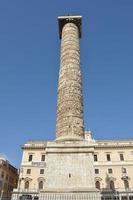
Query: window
point(7, 177)
point(110, 171)
point(95, 158)
point(5, 186)
point(30, 157)
point(11, 179)
point(2, 174)
point(121, 157)
point(41, 171)
point(96, 171)
point(97, 185)
point(1, 183)
point(40, 185)
point(43, 158)
point(124, 170)
point(28, 171)
point(108, 157)
point(26, 186)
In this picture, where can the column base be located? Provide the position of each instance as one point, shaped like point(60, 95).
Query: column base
point(70, 138)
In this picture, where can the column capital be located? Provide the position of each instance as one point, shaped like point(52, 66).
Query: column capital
point(76, 19)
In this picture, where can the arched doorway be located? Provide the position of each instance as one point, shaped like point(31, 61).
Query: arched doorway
point(126, 184)
point(97, 185)
point(26, 186)
point(112, 185)
point(40, 185)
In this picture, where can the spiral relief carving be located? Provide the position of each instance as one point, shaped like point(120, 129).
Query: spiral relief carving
point(70, 101)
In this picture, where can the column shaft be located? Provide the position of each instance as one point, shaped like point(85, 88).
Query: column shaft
point(70, 102)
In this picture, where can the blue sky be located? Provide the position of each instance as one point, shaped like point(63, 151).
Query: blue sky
point(29, 65)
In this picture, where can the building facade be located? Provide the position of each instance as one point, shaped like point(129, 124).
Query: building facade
point(113, 165)
point(74, 166)
point(8, 178)
point(112, 161)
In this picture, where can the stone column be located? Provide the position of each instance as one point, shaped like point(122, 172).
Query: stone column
point(70, 125)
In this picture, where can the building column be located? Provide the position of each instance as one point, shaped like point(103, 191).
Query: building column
point(70, 124)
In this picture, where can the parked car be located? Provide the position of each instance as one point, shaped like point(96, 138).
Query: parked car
point(25, 197)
